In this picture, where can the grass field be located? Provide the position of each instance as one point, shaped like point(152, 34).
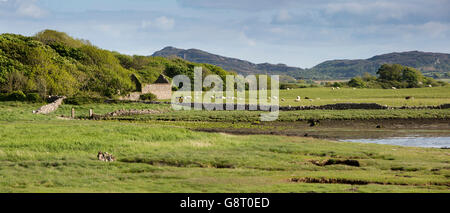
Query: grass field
point(390, 97)
point(44, 153)
point(326, 95)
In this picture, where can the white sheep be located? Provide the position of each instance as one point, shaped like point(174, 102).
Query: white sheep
point(430, 85)
point(394, 87)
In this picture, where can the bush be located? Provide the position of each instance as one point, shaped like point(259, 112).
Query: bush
point(357, 82)
point(16, 96)
point(34, 97)
point(337, 84)
point(3, 96)
point(148, 97)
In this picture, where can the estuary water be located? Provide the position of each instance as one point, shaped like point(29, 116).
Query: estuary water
point(428, 142)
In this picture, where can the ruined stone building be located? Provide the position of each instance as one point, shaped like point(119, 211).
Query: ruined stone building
point(162, 88)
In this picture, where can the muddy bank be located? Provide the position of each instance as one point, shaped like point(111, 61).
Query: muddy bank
point(345, 129)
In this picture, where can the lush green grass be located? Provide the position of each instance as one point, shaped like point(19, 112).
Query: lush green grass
point(390, 97)
point(46, 154)
point(60, 156)
point(253, 116)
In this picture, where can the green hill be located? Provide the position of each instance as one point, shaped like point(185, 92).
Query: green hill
point(53, 63)
point(430, 64)
point(237, 65)
point(435, 65)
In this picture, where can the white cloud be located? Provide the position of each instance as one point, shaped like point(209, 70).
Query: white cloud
point(283, 15)
point(24, 8)
point(28, 8)
point(162, 23)
point(245, 39)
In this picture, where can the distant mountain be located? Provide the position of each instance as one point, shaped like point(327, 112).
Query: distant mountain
point(431, 64)
point(230, 64)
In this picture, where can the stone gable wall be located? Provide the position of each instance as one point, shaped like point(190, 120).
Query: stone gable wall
point(162, 91)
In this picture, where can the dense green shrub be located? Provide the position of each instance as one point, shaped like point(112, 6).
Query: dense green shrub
point(357, 82)
point(337, 84)
point(148, 97)
point(3, 96)
point(53, 63)
point(34, 97)
point(16, 96)
point(394, 75)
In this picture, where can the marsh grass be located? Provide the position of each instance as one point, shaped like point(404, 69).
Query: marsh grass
point(43, 153)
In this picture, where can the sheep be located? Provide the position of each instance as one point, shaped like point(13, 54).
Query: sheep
point(288, 88)
point(338, 88)
point(409, 97)
point(282, 99)
point(394, 87)
point(298, 99)
point(333, 88)
point(430, 85)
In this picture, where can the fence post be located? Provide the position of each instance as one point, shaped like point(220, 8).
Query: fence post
point(91, 113)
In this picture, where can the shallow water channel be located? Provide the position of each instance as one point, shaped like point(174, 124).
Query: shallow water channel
point(416, 141)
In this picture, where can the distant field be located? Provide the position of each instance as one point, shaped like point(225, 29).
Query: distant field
point(390, 97)
point(326, 95)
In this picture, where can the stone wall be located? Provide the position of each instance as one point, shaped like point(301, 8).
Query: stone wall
point(162, 91)
point(52, 106)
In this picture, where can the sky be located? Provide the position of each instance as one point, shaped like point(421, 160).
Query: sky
point(293, 32)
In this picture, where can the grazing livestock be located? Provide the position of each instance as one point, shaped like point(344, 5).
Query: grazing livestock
point(104, 156)
point(430, 85)
point(298, 99)
point(409, 97)
point(282, 99)
point(394, 87)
